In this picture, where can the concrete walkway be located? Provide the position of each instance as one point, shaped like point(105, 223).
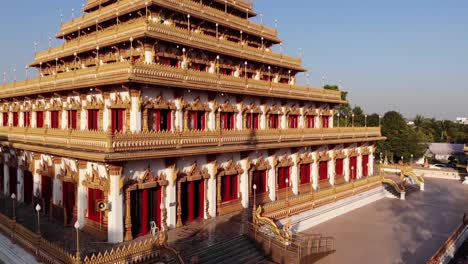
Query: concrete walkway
point(12, 253)
point(396, 231)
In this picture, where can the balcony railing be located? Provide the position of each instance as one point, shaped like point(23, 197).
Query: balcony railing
point(137, 27)
point(100, 141)
point(195, 9)
point(164, 75)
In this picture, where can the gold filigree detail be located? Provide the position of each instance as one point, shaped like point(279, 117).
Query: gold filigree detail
point(95, 181)
point(45, 169)
point(353, 153)
point(323, 156)
point(261, 164)
point(228, 107)
point(340, 154)
point(67, 174)
point(306, 159)
point(196, 105)
point(283, 234)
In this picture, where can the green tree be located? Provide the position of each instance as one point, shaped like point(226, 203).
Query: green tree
point(402, 140)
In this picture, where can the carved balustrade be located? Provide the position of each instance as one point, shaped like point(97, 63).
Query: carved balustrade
point(101, 141)
point(304, 202)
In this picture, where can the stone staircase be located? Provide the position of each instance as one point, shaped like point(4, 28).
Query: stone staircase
point(11, 253)
point(239, 249)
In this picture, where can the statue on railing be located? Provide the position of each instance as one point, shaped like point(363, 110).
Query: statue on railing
point(268, 226)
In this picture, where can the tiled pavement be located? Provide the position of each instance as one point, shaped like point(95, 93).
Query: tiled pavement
point(397, 231)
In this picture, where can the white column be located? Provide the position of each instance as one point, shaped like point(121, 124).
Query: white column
point(178, 115)
point(57, 186)
point(106, 116)
point(83, 119)
point(115, 229)
point(211, 190)
point(359, 166)
point(283, 120)
point(315, 171)
point(37, 190)
point(371, 164)
point(171, 197)
point(330, 121)
point(33, 119)
point(135, 114)
point(271, 179)
point(211, 121)
point(331, 171)
point(244, 182)
point(346, 169)
point(82, 201)
point(295, 174)
point(19, 187)
point(149, 58)
point(263, 121)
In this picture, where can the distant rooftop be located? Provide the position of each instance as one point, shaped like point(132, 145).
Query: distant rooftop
point(445, 148)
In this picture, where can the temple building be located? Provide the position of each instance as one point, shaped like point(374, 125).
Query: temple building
point(166, 112)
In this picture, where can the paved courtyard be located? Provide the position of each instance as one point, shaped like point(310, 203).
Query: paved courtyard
point(396, 231)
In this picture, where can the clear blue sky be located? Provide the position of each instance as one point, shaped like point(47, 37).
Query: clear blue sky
point(404, 55)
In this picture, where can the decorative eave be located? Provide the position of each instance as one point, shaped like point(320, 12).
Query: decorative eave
point(140, 28)
point(193, 174)
point(158, 103)
point(195, 9)
point(230, 168)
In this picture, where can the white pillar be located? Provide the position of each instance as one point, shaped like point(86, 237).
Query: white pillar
point(37, 190)
point(115, 228)
point(82, 201)
point(19, 187)
point(371, 164)
point(149, 58)
point(330, 122)
point(359, 166)
point(271, 178)
point(171, 197)
point(331, 171)
point(211, 190)
point(295, 174)
point(315, 171)
point(346, 169)
point(244, 182)
point(57, 186)
point(135, 114)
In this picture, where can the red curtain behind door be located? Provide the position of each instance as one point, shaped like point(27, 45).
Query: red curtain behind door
point(39, 119)
point(283, 174)
point(365, 167)
point(323, 170)
point(68, 194)
point(305, 173)
point(15, 119)
point(260, 181)
point(325, 122)
point(27, 119)
point(339, 167)
point(54, 119)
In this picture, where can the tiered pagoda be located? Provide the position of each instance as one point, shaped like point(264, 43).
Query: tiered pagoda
point(170, 111)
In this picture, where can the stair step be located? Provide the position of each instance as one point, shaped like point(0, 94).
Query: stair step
point(229, 253)
point(217, 247)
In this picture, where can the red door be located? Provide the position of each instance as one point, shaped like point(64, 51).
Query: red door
point(47, 186)
point(365, 165)
point(68, 192)
point(146, 207)
point(193, 202)
point(323, 170)
point(28, 187)
point(13, 180)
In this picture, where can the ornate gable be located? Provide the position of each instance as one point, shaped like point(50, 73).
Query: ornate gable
point(306, 159)
point(285, 161)
point(55, 105)
point(340, 154)
point(39, 105)
point(294, 110)
point(95, 181)
point(67, 174)
point(230, 168)
point(75, 104)
point(94, 103)
point(252, 108)
point(45, 169)
point(194, 174)
point(275, 109)
point(323, 156)
point(121, 103)
point(197, 105)
point(158, 103)
point(16, 107)
point(261, 164)
point(228, 107)
point(365, 151)
point(353, 153)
